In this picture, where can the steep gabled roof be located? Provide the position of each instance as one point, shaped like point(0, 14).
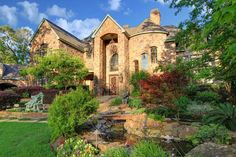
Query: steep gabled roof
point(63, 35)
point(103, 21)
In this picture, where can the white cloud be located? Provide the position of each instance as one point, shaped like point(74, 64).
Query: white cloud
point(8, 15)
point(31, 11)
point(55, 10)
point(80, 28)
point(127, 11)
point(114, 4)
point(159, 1)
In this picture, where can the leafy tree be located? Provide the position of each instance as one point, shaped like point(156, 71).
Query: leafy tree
point(61, 69)
point(14, 45)
point(210, 31)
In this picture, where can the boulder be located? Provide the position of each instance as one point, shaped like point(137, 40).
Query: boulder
point(212, 150)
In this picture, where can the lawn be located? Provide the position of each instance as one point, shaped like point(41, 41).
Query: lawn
point(18, 139)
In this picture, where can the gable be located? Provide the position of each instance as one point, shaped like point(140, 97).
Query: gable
point(110, 24)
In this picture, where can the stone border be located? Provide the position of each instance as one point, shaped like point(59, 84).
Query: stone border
point(22, 115)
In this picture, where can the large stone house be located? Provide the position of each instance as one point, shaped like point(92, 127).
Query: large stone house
point(113, 52)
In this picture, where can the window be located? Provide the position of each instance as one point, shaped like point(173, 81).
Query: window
point(136, 66)
point(114, 62)
point(154, 54)
point(144, 61)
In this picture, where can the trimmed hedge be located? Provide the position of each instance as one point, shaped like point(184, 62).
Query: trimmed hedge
point(49, 94)
point(8, 99)
point(28, 90)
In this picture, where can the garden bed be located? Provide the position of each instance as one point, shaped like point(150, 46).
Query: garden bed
point(22, 115)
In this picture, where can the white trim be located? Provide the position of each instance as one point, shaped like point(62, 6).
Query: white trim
point(103, 21)
point(146, 32)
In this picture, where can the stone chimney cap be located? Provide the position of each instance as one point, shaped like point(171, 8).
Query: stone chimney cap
point(156, 10)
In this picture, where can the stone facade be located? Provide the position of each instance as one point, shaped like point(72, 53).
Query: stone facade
point(112, 53)
point(132, 44)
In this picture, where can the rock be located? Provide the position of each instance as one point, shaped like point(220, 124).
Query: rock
point(212, 150)
point(186, 131)
point(59, 141)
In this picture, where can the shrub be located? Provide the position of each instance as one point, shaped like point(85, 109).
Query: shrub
point(28, 91)
point(70, 111)
point(116, 152)
point(76, 147)
point(117, 101)
point(224, 114)
point(156, 117)
point(138, 111)
point(207, 96)
point(198, 110)
point(147, 149)
point(163, 110)
point(8, 99)
point(214, 133)
point(135, 103)
point(135, 79)
point(162, 89)
point(181, 105)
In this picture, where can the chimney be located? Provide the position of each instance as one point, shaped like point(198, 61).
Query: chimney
point(155, 16)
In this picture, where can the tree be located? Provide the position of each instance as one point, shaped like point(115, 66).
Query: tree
point(210, 31)
point(14, 45)
point(59, 68)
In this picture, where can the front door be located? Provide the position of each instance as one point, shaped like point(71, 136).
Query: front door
point(114, 85)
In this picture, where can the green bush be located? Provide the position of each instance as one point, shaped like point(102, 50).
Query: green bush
point(181, 105)
point(139, 111)
point(70, 111)
point(117, 101)
point(116, 152)
point(207, 96)
point(224, 114)
point(163, 110)
point(148, 149)
point(156, 117)
point(135, 103)
point(214, 133)
point(198, 110)
point(76, 147)
point(135, 78)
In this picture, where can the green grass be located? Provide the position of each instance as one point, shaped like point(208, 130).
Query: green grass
point(19, 139)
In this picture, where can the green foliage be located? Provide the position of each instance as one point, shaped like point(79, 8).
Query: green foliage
point(135, 103)
point(135, 78)
point(117, 101)
point(25, 95)
point(156, 117)
point(138, 111)
point(14, 45)
point(61, 69)
point(207, 96)
point(210, 31)
point(135, 93)
point(181, 105)
point(76, 147)
point(116, 152)
point(163, 111)
point(148, 149)
point(214, 133)
point(198, 110)
point(70, 111)
point(223, 114)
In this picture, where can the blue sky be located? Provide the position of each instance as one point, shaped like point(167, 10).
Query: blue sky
point(80, 17)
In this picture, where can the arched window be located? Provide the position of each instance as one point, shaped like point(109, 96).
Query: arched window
point(136, 66)
point(114, 62)
point(144, 61)
point(154, 54)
